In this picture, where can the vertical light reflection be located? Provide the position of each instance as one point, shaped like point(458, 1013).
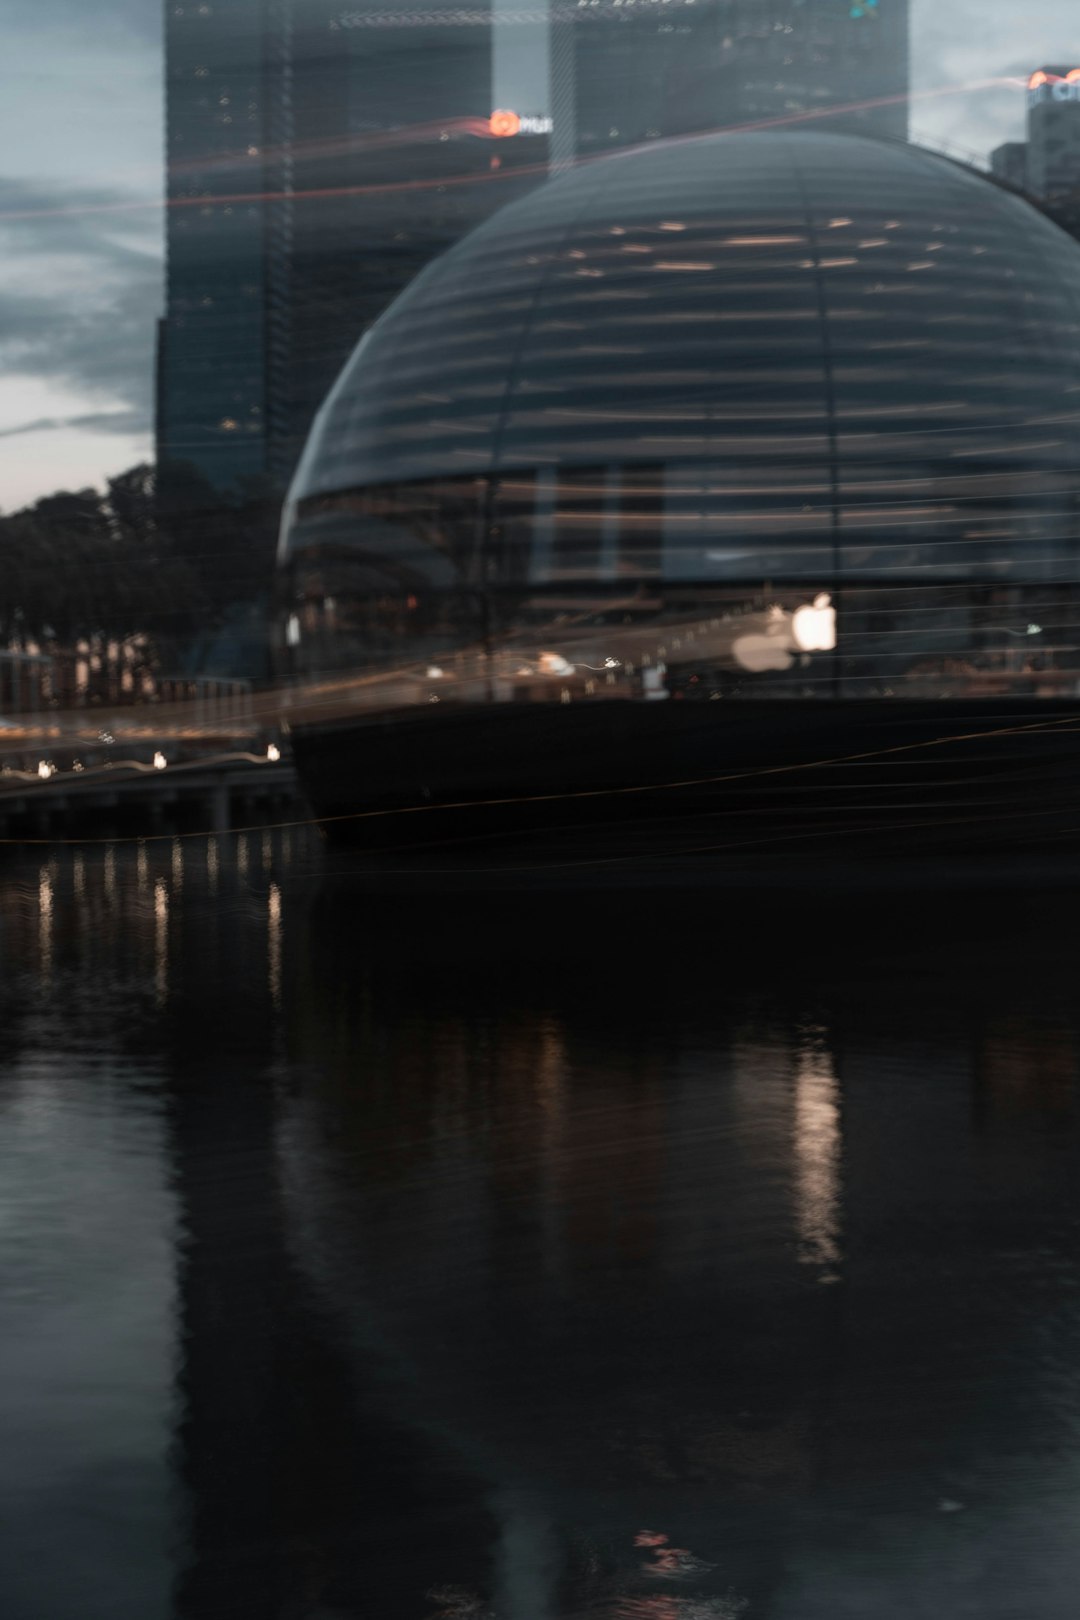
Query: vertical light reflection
point(213, 864)
point(551, 1100)
point(177, 865)
point(110, 875)
point(142, 869)
point(46, 899)
point(818, 1146)
point(528, 1558)
point(543, 537)
point(78, 875)
point(273, 943)
point(267, 850)
point(161, 942)
point(242, 855)
point(609, 530)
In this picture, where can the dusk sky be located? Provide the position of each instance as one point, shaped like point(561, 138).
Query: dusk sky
point(81, 182)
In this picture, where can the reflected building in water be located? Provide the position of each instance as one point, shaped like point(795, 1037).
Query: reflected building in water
point(648, 1257)
point(772, 416)
point(609, 1258)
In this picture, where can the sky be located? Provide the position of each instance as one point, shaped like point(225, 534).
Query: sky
point(81, 132)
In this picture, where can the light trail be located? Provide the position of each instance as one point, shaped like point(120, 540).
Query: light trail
point(483, 177)
point(342, 146)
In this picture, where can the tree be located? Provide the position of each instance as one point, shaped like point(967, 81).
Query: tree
point(85, 563)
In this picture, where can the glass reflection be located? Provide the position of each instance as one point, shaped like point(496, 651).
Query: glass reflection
point(822, 399)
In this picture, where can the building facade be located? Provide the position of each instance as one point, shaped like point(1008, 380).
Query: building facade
point(1053, 156)
point(661, 68)
point(222, 343)
point(1047, 164)
point(1008, 163)
point(319, 155)
point(1046, 167)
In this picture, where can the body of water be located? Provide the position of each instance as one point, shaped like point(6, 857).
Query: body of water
point(655, 1255)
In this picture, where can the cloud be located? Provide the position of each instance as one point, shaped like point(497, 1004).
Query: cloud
point(80, 291)
point(123, 422)
point(140, 18)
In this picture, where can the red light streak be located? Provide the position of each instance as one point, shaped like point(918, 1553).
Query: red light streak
point(479, 127)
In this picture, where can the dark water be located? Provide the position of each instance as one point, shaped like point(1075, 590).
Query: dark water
point(656, 1257)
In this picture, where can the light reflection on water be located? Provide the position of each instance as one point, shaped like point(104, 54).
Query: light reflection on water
point(817, 1155)
point(414, 1256)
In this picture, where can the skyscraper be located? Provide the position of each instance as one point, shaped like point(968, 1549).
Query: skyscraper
point(1009, 163)
point(1047, 164)
point(221, 344)
point(1053, 158)
point(647, 69)
point(320, 153)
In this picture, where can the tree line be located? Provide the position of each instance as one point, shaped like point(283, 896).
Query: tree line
point(176, 562)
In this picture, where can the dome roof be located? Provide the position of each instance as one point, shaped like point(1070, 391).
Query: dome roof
point(862, 305)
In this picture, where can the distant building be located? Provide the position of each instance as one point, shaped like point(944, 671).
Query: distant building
point(1053, 154)
point(318, 157)
point(221, 348)
point(662, 68)
point(1009, 163)
point(1047, 165)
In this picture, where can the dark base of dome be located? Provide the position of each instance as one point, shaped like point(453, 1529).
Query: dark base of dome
point(616, 788)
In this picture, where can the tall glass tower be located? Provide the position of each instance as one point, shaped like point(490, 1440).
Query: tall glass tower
point(222, 340)
point(648, 69)
point(320, 153)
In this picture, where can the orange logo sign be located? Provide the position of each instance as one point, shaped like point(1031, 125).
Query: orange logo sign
point(505, 123)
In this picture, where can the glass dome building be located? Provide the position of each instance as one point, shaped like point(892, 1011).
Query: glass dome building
point(741, 418)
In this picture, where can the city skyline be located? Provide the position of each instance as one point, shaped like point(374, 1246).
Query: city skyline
point(83, 217)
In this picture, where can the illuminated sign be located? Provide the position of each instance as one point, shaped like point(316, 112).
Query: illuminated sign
point(1046, 86)
point(503, 123)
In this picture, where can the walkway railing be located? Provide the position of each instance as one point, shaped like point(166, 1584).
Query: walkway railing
point(215, 700)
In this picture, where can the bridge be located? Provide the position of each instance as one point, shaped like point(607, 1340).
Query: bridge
point(131, 799)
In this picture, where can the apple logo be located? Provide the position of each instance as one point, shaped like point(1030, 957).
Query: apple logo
point(814, 625)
